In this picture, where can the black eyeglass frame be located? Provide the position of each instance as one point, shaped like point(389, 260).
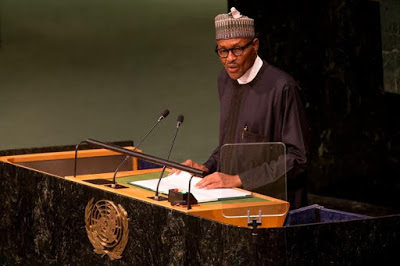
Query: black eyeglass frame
point(240, 49)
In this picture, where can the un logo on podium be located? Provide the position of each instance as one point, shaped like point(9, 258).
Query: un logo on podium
point(107, 227)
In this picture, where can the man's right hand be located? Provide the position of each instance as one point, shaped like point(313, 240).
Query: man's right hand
point(191, 164)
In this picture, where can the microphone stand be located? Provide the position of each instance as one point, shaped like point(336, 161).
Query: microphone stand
point(108, 146)
point(93, 181)
point(156, 196)
point(76, 156)
point(114, 182)
point(188, 197)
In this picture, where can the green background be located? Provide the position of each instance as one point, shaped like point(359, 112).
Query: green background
point(105, 69)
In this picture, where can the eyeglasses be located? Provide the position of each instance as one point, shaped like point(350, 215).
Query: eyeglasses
point(237, 51)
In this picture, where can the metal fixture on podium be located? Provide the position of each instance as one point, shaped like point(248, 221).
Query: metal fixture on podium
point(254, 223)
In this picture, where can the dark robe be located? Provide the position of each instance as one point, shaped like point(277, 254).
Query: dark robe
point(268, 109)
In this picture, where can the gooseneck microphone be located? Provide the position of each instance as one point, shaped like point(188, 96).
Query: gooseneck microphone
point(179, 122)
point(163, 115)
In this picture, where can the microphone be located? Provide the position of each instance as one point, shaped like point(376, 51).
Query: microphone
point(163, 115)
point(179, 122)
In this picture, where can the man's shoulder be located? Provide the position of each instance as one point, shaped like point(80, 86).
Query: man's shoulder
point(276, 76)
point(276, 71)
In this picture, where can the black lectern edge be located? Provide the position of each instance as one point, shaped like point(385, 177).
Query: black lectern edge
point(142, 156)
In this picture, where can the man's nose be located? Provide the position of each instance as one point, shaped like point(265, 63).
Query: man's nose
point(231, 56)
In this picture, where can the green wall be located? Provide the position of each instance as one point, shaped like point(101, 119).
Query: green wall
point(105, 69)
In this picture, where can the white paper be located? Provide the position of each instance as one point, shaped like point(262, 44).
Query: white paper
point(181, 181)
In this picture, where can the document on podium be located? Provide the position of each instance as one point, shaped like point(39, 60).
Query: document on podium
point(181, 181)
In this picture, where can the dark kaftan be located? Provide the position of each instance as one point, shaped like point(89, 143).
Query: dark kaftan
point(268, 109)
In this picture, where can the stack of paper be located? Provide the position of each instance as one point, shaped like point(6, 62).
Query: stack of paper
point(181, 181)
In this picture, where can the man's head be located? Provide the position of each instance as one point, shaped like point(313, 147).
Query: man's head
point(237, 55)
point(236, 45)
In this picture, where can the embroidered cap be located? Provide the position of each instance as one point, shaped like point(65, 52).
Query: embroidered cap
point(233, 25)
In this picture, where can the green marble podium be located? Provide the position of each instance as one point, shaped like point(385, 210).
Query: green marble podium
point(42, 223)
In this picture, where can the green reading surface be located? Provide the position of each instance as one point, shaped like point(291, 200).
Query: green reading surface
point(127, 179)
point(131, 178)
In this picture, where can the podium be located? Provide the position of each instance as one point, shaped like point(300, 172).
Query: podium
point(44, 206)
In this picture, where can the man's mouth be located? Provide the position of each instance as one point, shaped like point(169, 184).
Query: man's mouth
point(232, 68)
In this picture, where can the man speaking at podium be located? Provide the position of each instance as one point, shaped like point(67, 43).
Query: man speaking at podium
point(258, 103)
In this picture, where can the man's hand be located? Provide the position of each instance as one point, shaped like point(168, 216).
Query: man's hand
point(191, 164)
point(218, 180)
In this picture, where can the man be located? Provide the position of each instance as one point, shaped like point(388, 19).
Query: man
point(258, 103)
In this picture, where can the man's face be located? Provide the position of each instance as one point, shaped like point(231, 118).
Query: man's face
point(236, 66)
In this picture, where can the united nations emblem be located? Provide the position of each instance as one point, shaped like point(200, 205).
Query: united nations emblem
point(107, 227)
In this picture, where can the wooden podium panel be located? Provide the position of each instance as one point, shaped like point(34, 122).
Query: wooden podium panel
point(60, 164)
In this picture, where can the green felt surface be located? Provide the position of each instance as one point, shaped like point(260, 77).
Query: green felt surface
point(127, 179)
point(131, 178)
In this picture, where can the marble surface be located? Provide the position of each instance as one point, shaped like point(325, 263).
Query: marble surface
point(359, 242)
point(42, 222)
point(390, 25)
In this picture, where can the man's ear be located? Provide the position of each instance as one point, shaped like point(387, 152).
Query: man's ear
point(256, 44)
